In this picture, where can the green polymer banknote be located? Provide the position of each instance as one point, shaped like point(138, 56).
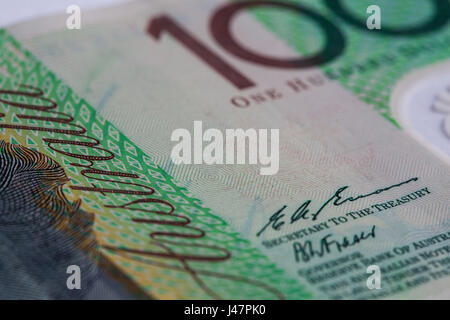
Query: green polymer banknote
point(86, 119)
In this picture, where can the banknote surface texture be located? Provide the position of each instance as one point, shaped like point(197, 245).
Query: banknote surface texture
point(353, 189)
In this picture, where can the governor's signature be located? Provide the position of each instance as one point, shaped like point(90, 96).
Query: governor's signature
point(306, 251)
point(304, 212)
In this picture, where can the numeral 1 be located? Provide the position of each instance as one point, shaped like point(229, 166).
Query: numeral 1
point(165, 23)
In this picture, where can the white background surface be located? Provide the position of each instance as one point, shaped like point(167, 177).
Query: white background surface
point(13, 11)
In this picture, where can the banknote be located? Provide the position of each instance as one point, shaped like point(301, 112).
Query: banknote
point(87, 118)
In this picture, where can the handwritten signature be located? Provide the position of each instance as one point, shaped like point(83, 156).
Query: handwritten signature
point(304, 212)
point(306, 251)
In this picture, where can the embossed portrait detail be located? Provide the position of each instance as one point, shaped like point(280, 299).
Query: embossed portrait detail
point(41, 231)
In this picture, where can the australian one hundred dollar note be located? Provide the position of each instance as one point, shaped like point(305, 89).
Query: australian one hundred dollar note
point(219, 149)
